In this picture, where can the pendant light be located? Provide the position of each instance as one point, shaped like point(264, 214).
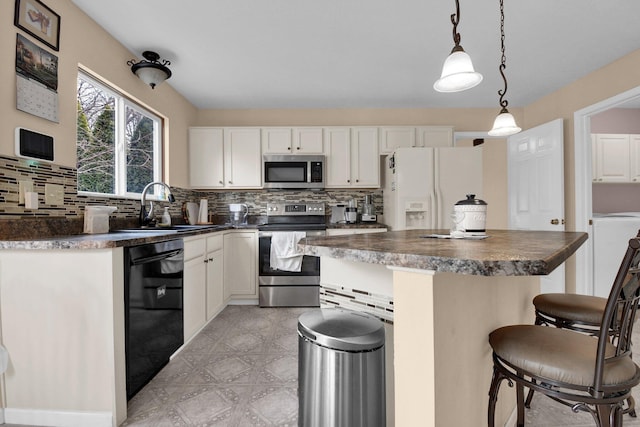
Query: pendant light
point(150, 70)
point(505, 123)
point(458, 73)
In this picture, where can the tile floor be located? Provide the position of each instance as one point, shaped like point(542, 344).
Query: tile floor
point(241, 371)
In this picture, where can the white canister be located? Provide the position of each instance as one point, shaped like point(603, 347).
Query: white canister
point(475, 214)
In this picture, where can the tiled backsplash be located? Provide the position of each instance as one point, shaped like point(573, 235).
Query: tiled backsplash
point(13, 170)
point(380, 306)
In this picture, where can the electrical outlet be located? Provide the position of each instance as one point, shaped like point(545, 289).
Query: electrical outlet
point(24, 187)
point(53, 194)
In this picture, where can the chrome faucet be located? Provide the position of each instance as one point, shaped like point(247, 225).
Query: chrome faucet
point(147, 218)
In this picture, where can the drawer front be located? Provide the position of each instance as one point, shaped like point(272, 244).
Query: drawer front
point(214, 243)
point(194, 247)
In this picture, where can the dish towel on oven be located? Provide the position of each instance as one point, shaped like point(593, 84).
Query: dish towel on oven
point(284, 250)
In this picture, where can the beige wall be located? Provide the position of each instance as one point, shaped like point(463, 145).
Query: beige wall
point(613, 79)
point(82, 41)
point(463, 119)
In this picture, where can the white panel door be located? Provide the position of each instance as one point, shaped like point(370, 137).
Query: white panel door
point(536, 186)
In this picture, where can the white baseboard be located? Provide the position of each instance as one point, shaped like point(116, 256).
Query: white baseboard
point(39, 417)
point(243, 302)
point(513, 418)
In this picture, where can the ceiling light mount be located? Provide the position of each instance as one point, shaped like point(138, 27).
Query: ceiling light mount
point(150, 70)
point(505, 123)
point(458, 73)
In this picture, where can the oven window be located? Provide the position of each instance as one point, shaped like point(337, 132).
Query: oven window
point(310, 264)
point(285, 172)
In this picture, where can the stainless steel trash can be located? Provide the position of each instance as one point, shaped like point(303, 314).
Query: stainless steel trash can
point(340, 369)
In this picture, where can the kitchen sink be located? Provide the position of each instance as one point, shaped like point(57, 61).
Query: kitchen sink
point(170, 229)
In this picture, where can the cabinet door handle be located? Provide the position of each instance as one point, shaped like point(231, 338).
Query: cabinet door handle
point(288, 148)
point(206, 260)
point(221, 182)
point(297, 148)
point(210, 259)
point(349, 180)
point(230, 182)
point(556, 221)
point(357, 180)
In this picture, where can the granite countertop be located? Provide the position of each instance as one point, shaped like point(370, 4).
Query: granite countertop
point(342, 225)
point(113, 239)
point(503, 253)
point(61, 233)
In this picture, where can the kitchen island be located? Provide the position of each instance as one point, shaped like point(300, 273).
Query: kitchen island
point(448, 294)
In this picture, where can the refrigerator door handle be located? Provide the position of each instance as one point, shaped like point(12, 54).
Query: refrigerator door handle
point(433, 208)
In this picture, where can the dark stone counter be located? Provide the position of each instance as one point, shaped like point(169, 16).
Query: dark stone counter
point(503, 253)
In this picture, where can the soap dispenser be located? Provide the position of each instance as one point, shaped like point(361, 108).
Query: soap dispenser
point(166, 218)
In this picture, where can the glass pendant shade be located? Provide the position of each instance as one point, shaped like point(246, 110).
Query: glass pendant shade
point(458, 73)
point(152, 74)
point(150, 70)
point(504, 125)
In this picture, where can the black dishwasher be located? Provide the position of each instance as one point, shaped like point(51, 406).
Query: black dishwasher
point(153, 309)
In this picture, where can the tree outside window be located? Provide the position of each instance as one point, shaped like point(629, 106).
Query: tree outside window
point(118, 142)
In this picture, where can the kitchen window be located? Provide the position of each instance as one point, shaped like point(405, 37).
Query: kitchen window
point(119, 142)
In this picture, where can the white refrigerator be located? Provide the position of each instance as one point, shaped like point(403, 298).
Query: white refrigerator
point(611, 234)
point(421, 185)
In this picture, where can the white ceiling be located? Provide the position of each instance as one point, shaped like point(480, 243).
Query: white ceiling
point(367, 53)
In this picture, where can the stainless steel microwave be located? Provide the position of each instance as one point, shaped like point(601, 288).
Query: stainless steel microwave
point(282, 171)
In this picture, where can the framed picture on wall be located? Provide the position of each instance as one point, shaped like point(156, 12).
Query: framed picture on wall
point(37, 19)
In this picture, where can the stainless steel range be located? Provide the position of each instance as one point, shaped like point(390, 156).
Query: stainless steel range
point(295, 282)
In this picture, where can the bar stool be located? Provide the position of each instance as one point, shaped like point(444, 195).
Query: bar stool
point(587, 373)
point(580, 313)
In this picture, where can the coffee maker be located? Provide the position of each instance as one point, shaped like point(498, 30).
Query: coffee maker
point(368, 210)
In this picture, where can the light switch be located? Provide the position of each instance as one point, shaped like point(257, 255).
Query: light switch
point(53, 194)
point(23, 187)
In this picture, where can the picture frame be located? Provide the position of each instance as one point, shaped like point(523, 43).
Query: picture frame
point(39, 21)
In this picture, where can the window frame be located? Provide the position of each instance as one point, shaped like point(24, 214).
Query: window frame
point(122, 102)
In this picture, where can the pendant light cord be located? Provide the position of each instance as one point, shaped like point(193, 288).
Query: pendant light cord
point(503, 60)
point(455, 20)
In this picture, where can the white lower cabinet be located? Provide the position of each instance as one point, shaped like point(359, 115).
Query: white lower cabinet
point(240, 265)
point(203, 281)
point(215, 275)
point(194, 286)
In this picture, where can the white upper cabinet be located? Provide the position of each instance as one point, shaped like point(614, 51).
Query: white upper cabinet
point(242, 158)
point(306, 140)
point(352, 157)
point(434, 136)
point(225, 158)
point(396, 137)
point(634, 155)
point(392, 137)
point(276, 140)
point(365, 157)
point(206, 158)
point(612, 158)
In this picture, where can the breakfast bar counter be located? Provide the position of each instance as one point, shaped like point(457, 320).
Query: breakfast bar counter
point(448, 294)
